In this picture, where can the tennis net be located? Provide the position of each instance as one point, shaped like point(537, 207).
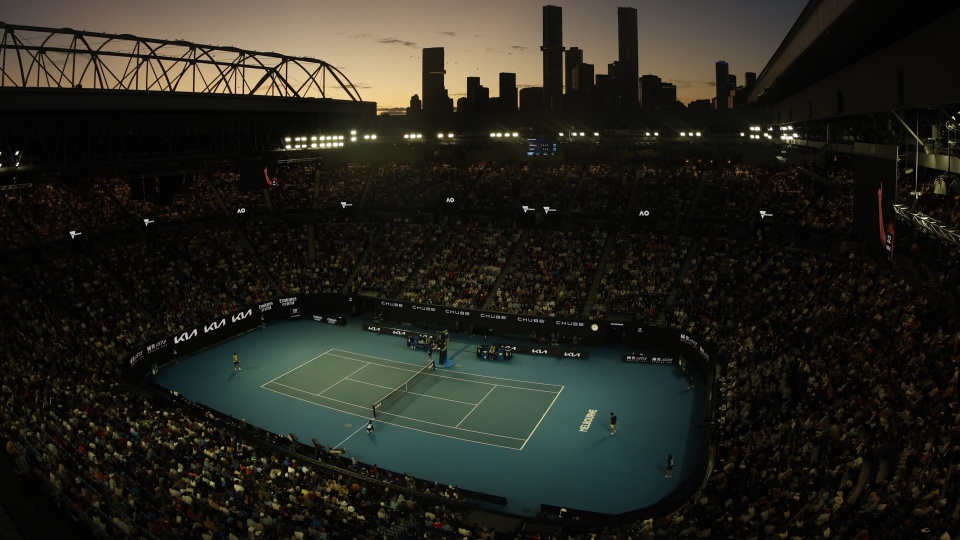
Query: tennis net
point(395, 394)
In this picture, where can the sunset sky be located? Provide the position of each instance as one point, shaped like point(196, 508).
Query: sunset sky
point(377, 43)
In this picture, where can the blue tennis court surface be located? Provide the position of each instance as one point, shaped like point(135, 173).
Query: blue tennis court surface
point(533, 429)
point(463, 406)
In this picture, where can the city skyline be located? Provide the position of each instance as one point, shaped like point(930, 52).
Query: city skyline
point(379, 45)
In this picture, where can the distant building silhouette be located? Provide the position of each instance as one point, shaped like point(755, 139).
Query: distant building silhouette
point(723, 86)
point(572, 58)
point(656, 94)
point(628, 63)
point(415, 107)
point(478, 97)
point(583, 78)
point(435, 97)
point(531, 99)
point(508, 92)
point(552, 56)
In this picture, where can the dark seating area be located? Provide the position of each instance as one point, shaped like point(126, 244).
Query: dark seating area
point(838, 406)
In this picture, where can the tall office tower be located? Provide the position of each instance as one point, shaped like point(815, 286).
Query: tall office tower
point(572, 58)
point(478, 96)
point(583, 77)
point(508, 92)
point(628, 69)
point(650, 91)
point(435, 98)
point(668, 95)
point(750, 79)
point(552, 56)
point(531, 99)
point(416, 107)
point(723, 86)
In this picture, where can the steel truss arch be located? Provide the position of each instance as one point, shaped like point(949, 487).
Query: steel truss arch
point(36, 57)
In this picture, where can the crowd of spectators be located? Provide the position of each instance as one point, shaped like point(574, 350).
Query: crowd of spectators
point(839, 409)
point(605, 191)
point(840, 398)
point(551, 274)
point(398, 250)
point(639, 275)
point(465, 268)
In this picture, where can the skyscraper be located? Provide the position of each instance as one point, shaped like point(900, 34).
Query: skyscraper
point(723, 86)
point(508, 92)
point(572, 58)
point(628, 64)
point(552, 56)
point(435, 98)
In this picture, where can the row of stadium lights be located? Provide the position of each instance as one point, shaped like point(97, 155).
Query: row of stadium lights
point(336, 141)
point(787, 133)
point(16, 158)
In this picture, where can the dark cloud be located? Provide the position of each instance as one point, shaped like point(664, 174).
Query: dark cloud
point(395, 41)
point(391, 110)
point(451, 34)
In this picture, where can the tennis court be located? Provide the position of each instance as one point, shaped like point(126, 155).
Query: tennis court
point(475, 408)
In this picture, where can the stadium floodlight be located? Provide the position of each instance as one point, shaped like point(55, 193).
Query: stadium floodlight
point(698, 134)
point(353, 132)
point(683, 133)
point(514, 134)
point(560, 134)
point(582, 134)
point(374, 136)
point(596, 133)
point(439, 135)
point(656, 133)
point(449, 135)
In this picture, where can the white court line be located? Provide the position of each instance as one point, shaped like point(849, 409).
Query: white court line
point(291, 396)
point(343, 379)
point(352, 413)
point(451, 375)
point(350, 436)
point(422, 421)
point(475, 407)
point(412, 368)
point(409, 393)
point(300, 366)
point(541, 419)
